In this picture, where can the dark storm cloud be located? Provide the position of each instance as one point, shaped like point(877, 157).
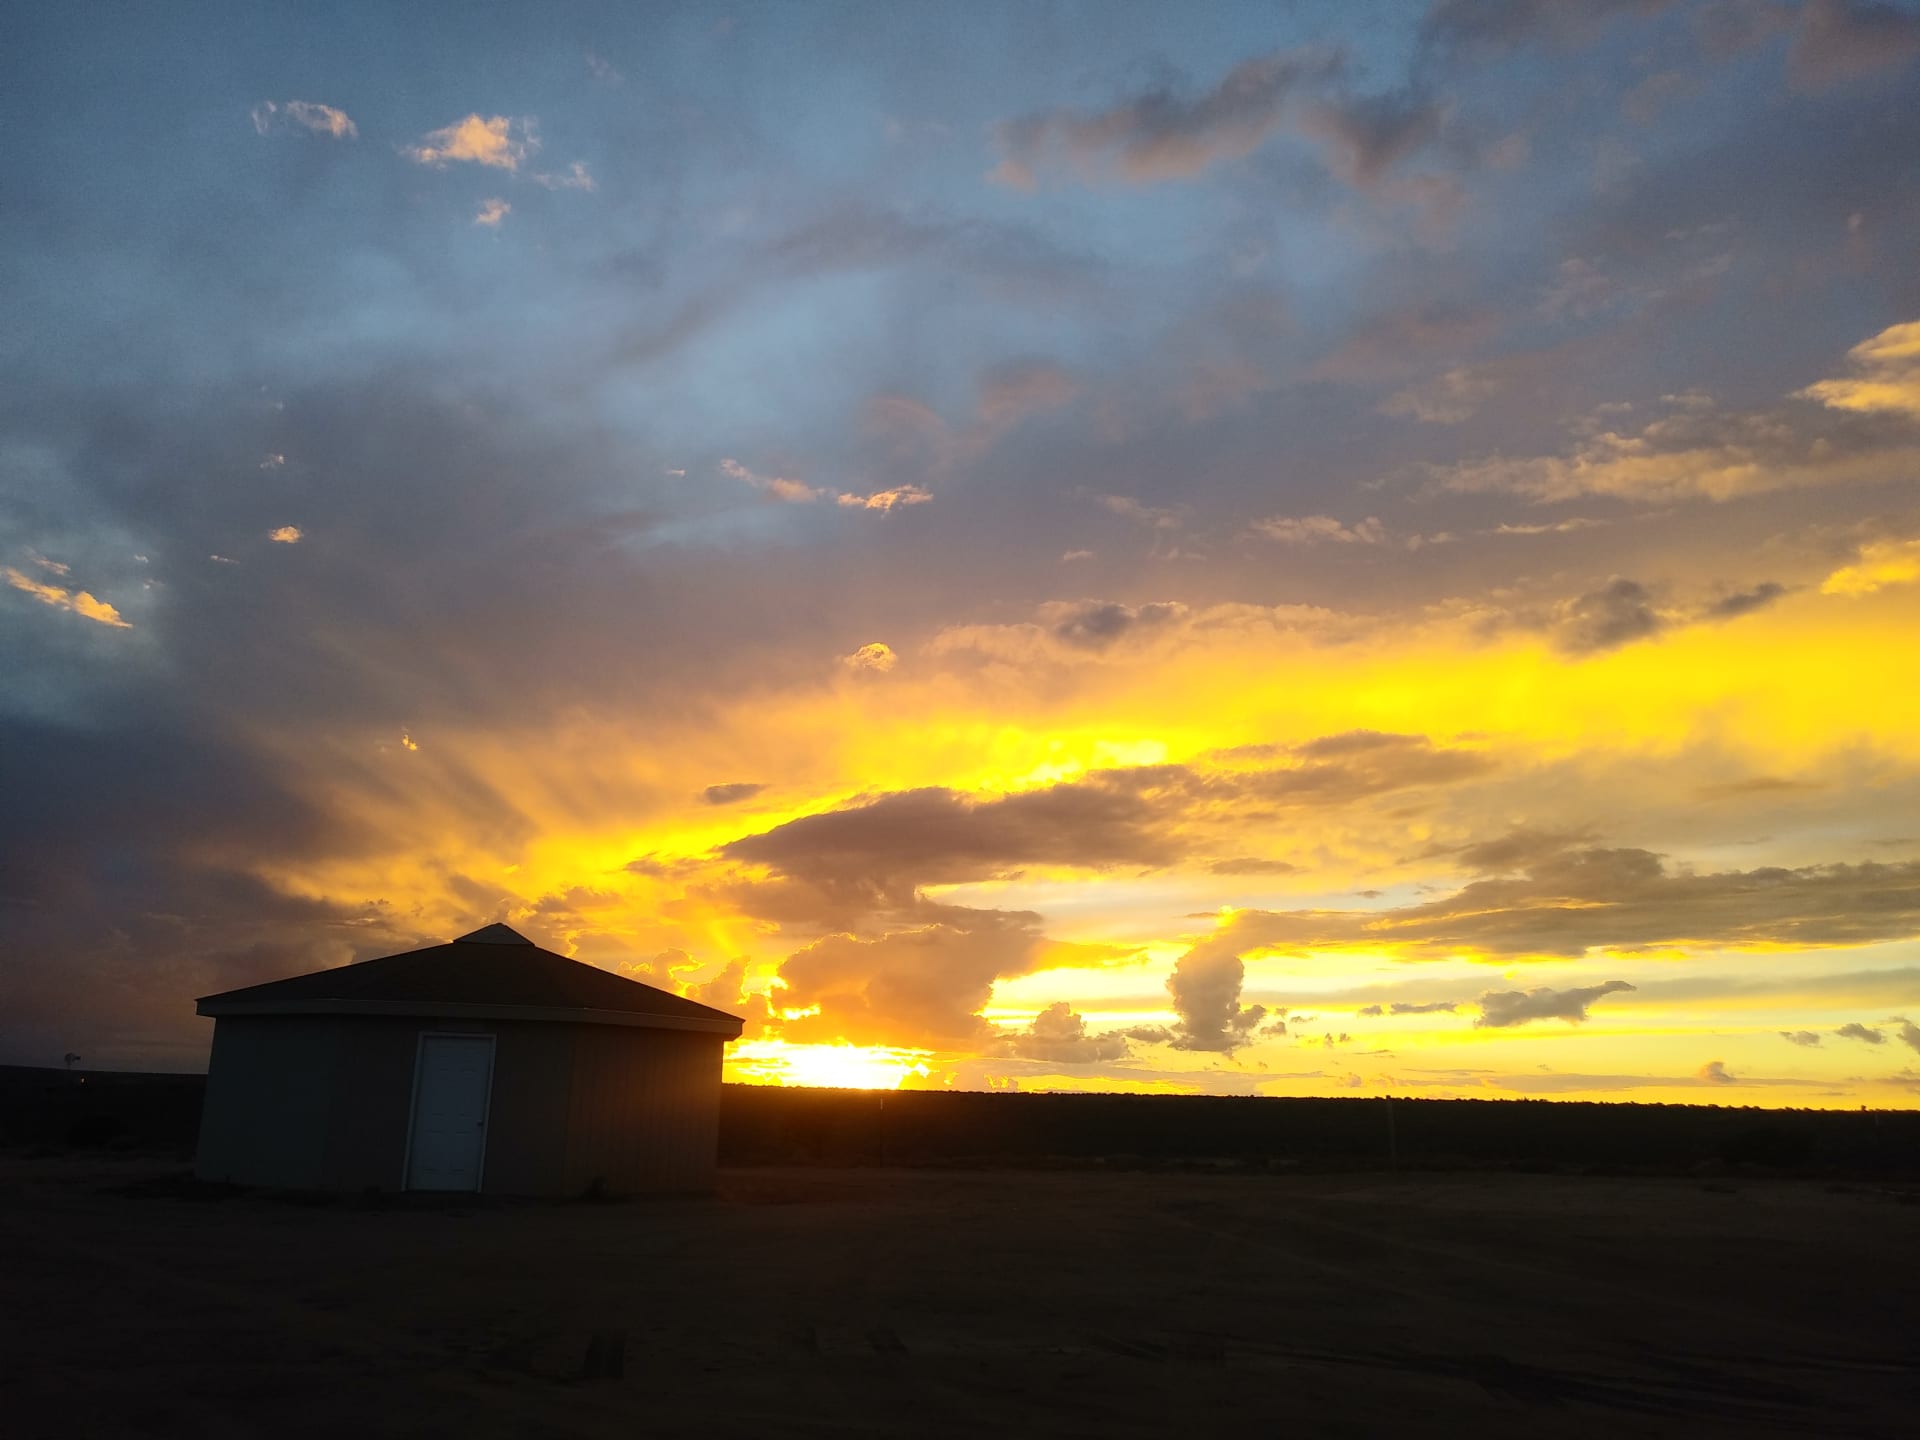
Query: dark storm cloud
point(1515, 850)
point(1840, 41)
point(935, 836)
point(1059, 1035)
point(731, 793)
point(1494, 26)
point(1617, 614)
point(1369, 135)
point(1500, 1009)
point(1094, 625)
point(1250, 865)
point(1573, 899)
point(1854, 1030)
point(127, 888)
point(1162, 135)
point(1745, 602)
point(879, 852)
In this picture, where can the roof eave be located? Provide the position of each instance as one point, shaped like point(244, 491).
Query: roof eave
point(724, 1025)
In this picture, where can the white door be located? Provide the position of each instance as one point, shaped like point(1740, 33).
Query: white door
point(450, 1090)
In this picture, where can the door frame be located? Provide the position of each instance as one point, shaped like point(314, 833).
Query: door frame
point(486, 1106)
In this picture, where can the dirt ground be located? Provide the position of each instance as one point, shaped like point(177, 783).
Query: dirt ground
point(888, 1302)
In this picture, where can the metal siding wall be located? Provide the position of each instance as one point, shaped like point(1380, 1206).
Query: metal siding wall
point(373, 1095)
point(526, 1132)
point(270, 1086)
point(324, 1103)
point(645, 1111)
point(527, 1121)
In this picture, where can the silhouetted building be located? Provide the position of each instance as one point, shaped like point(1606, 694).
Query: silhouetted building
point(487, 1064)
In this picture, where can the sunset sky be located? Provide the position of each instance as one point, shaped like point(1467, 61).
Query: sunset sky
point(1284, 549)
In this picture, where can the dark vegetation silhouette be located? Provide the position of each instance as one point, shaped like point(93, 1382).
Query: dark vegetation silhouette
point(762, 1125)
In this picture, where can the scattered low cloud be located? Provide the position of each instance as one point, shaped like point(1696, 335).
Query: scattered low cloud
point(1319, 529)
point(1154, 517)
point(286, 535)
point(1715, 1072)
point(1834, 432)
point(1547, 527)
point(798, 492)
point(1854, 1030)
point(1206, 995)
point(491, 212)
point(1500, 1009)
point(874, 656)
point(500, 142)
point(1805, 1038)
point(575, 177)
point(77, 602)
point(731, 793)
point(883, 500)
point(780, 487)
point(1060, 1036)
point(316, 119)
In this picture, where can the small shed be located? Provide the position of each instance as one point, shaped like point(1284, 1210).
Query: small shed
point(486, 1064)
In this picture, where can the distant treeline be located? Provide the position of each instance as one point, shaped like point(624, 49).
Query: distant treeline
point(763, 1125)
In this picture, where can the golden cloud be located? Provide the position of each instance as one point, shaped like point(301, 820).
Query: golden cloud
point(1888, 378)
point(499, 141)
point(1881, 563)
point(61, 598)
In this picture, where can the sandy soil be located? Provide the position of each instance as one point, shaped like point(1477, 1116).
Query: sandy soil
point(928, 1303)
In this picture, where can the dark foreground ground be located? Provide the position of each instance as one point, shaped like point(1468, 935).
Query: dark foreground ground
point(893, 1302)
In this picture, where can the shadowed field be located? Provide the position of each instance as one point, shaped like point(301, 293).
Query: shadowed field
point(810, 1302)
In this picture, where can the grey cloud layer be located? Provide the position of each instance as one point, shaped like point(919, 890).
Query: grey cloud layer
point(1569, 900)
